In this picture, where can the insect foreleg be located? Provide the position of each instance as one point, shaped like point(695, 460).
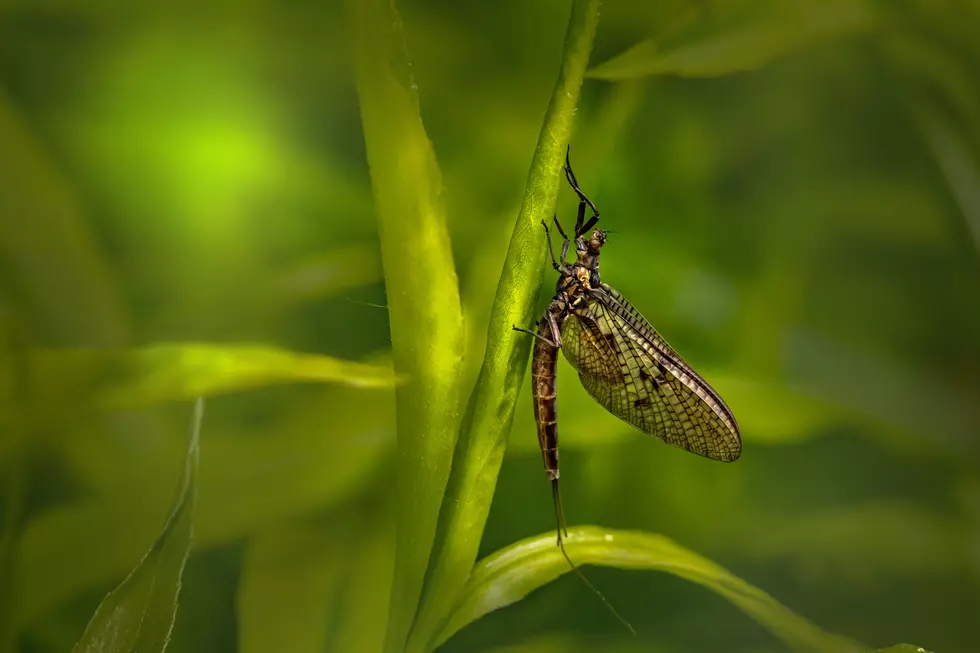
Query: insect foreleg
point(583, 200)
point(591, 223)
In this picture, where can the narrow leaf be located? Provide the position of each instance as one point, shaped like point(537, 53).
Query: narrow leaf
point(139, 614)
point(140, 377)
point(425, 315)
point(722, 45)
point(491, 408)
point(511, 574)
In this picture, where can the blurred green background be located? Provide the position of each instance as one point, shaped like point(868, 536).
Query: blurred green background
point(795, 201)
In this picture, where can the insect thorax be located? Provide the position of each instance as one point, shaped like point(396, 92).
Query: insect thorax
point(572, 290)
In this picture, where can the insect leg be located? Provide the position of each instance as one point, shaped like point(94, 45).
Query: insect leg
point(591, 223)
point(583, 200)
point(565, 244)
point(551, 250)
point(536, 335)
point(555, 331)
point(560, 230)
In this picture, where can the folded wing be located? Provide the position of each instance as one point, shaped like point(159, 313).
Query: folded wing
point(631, 370)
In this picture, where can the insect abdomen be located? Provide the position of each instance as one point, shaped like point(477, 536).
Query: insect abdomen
point(544, 367)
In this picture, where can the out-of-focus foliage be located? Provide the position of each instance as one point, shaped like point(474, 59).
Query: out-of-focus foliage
point(731, 37)
point(793, 195)
point(146, 376)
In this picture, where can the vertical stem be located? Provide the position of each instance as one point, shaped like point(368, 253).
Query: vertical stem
point(480, 450)
point(424, 309)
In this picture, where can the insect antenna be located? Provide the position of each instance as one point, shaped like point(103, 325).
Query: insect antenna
point(562, 528)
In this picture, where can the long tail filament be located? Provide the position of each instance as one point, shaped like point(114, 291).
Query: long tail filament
point(562, 528)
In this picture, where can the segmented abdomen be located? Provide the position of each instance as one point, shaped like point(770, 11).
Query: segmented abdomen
point(544, 367)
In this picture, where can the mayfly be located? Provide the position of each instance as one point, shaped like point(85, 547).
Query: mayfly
point(620, 358)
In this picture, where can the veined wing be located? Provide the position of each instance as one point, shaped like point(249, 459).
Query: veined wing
point(631, 370)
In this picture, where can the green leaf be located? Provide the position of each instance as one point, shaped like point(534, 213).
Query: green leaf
point(139, 614)
point(425, 315)
point(903, 648)
point(741, 36)
point(511, 574)
point(491, 408)
point(135, 378)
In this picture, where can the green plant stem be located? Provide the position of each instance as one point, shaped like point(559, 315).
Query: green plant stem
point(425, 315)
point(480, 450)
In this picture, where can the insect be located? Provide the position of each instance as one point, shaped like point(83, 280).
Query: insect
point(620, 358)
